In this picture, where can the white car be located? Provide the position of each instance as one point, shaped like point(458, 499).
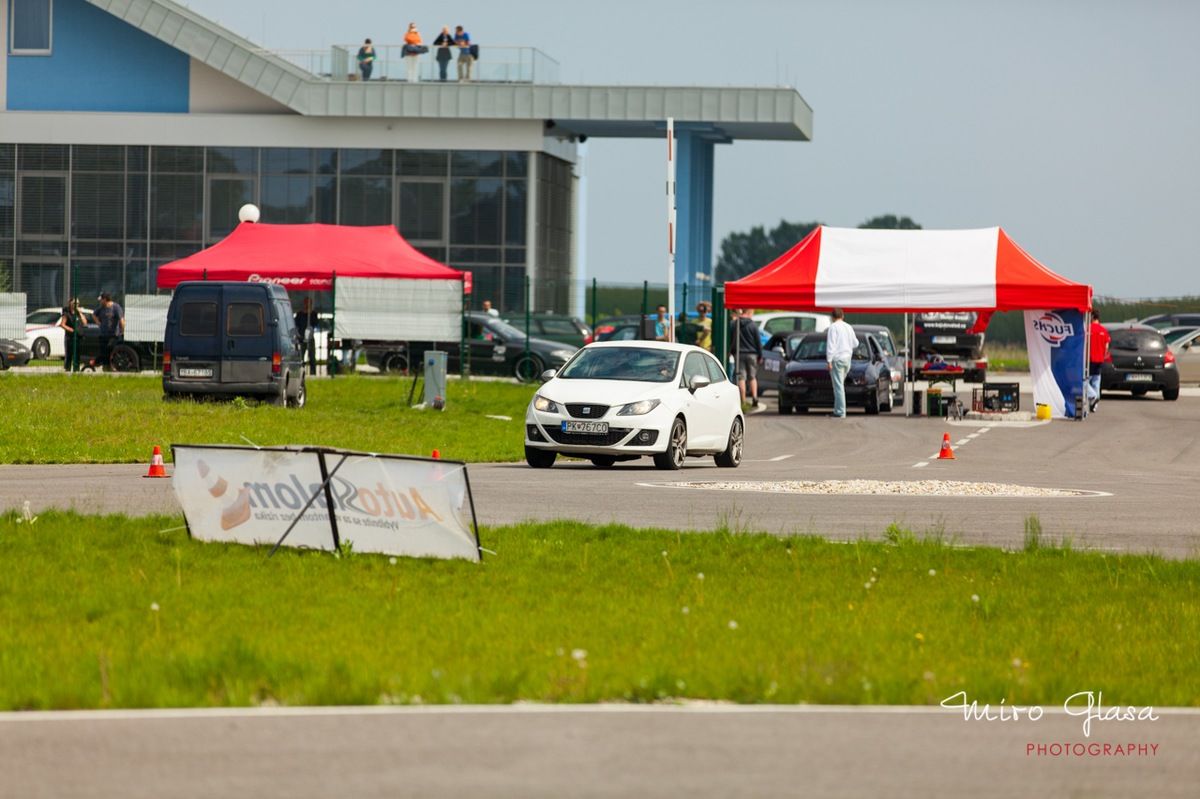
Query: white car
point(43, 336)
point(770, 324)
point(623, 400)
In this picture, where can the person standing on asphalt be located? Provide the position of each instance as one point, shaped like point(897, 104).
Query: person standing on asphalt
point(366, 59)
point(1097, 355)
point(748, 343)
point(443, 43)
point(703, 327)
point(840, 342)
point(71, 322)
point(111, 319)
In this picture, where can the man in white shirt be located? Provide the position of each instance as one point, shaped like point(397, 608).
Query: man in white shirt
point(840, 342)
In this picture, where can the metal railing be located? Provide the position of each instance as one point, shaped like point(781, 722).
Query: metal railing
point(496, 64)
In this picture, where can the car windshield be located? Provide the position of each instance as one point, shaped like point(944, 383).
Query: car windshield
point(884, 338)
point(813, 349)
point(43, 317)
point(640, 364)
point(1139, 340)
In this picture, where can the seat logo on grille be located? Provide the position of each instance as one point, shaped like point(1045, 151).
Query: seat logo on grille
point(587, 411)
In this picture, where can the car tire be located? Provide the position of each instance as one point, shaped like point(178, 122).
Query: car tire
point(40, 348)
point(301, 398)
point(603, 461)
point(872, 404)
point(528, 368)
point(676, 453)
point(280, 400)
point(785, 409)
point(540, 458)
point(124, 358)
point(1139, 392)
point(394, 363)
point(1170, 394)
point(732, 456)
point(885, 406)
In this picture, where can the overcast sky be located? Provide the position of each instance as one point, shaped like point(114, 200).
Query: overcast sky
point(1073, 124)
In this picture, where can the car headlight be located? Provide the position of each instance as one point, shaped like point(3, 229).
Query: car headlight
point(540, 403)
point(638, 408)
point(795, 380)
point(858, 381)
point(562, 355)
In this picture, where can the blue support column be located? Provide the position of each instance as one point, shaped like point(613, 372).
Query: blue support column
point(694, 207)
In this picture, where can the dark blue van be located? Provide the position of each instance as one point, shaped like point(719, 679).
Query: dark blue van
point(233, 340)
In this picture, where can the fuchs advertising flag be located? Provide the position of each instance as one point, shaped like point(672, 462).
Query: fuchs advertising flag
point(325, 499)
point(1056, 341)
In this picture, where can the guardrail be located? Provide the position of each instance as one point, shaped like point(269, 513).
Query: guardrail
point(496, 64)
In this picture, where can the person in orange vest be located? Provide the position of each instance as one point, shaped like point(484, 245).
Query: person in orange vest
point(1097, 355)
point(412, 51)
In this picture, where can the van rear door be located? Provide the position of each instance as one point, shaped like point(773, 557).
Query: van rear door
point(197, 345)
point(248, 333)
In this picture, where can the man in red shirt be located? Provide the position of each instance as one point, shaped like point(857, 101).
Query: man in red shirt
point(1097, 355)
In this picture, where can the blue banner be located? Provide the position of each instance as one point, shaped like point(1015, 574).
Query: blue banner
point(1057, 344)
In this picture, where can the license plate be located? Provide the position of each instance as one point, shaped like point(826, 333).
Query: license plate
point(771, 366)
point(1139, 378)
point(584, 427)
point(945, 339)
point(193, 372)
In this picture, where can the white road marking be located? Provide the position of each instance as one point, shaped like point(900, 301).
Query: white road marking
point(920, 465)
point(778, 458)
point(523, 708)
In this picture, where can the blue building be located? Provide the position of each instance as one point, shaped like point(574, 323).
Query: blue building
point(132, 131)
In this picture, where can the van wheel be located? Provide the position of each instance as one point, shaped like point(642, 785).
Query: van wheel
point(124, 359)
point(280, 400)
point(394, 363)
point(301, 397)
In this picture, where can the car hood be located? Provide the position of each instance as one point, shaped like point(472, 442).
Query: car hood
point(605, 392)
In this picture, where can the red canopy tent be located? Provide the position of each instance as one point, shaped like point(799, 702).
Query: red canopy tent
point(306, 257)
point(896, 271)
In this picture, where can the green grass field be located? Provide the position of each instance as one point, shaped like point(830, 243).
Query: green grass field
point(112, 612)
point(92, 418)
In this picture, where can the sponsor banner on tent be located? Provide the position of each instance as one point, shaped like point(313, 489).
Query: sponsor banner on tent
point(323, 499)
point(1057, 344)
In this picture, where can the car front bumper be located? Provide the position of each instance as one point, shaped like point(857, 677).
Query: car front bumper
point(627, 435)
point(821, 396)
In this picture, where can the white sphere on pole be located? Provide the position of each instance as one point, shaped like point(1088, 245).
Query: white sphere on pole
point(248, 213)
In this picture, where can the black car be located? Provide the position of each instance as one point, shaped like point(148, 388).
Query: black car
point(123, 356)
point(1141, 362)
point(495, 347)
point(806, 379)
point(952, 335)
point(553, 327)
point(13, 353)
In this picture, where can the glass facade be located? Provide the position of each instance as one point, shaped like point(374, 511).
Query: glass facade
point(82, 219)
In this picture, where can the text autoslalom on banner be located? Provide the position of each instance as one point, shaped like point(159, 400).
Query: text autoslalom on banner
point(386, 504)
point(1057, 344)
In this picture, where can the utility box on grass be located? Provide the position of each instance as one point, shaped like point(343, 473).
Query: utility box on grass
point(435, 378)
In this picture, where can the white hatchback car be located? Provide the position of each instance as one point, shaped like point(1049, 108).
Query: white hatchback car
point(43, 336)
point(623, 400)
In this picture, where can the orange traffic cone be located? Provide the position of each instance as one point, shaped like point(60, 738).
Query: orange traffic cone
point(947, 453)
point(157, 469)
point(436, 455)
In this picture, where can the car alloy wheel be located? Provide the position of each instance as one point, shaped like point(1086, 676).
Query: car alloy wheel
point(124, 359)
point(676, 452)
point(732, 456)
point(301, 397)
point(395, 364)
point(527, 368)
point(41, 349)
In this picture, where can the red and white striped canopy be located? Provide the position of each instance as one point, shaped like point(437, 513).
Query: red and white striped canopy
point(886, 271)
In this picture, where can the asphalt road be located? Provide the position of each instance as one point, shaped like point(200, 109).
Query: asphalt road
point(597, 751)
point(1143, 453)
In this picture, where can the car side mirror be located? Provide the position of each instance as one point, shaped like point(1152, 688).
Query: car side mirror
point(548, 375)
point(698, 382)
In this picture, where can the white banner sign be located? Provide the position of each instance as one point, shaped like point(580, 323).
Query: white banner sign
point(146, 316)
point(12, 316)
point(398, 310)
point(383, 504)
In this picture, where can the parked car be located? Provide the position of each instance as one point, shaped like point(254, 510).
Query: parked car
point(807, 384)
point(1186, 349)
point(617, 401)
point(13, 353)
point(495, 347)
point(1165, 320)
point(787, 322)
point(954, 335)
point(1141, 362)
point(895, 358)
point(43, 336)
point(685, 333)
point(1174, 335)
point(553, 327)
point(123, 356)
point(233, 339)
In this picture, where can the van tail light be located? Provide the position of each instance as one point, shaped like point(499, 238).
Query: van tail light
point(276, 363)
point(1169, 357)
point(166, 364)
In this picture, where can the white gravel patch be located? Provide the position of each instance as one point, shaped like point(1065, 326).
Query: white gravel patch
point(906, 488)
